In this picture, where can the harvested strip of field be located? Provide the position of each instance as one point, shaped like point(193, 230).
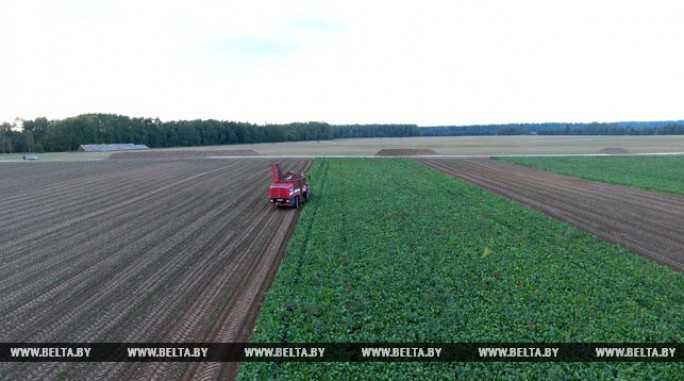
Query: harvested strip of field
point(179, 154)
point(646, 223)
point(412, 255)
point(119, 251)
point(653, 173)
point(405, 152)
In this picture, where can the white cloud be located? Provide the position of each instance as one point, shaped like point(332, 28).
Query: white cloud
point(428, 62)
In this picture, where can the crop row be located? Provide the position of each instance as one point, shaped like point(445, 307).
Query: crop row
point(391, 251)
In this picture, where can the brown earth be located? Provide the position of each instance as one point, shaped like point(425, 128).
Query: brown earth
point(129, 251)
point(646, 223)
point(179, 154)
point(613, 150)
point(405, 152)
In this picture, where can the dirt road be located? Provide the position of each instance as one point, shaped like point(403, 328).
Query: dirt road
point(647, 223)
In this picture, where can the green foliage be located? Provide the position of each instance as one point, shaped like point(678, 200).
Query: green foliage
point(11, 141)
point(391, 251)
point(376, 130)
point(654, 173)
point(620, 128)
point(508, 130)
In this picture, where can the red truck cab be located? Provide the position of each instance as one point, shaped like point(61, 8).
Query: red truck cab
point(290, 189)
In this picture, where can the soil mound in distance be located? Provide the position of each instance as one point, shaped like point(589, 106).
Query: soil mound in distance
point(405, 152)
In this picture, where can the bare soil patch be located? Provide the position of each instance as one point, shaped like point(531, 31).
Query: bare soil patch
point(646, 223)
point(179, 154)
point(129, 251)
point(405, 152)
point(614, 150)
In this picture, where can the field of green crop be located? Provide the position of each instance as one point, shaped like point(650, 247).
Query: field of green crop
point(654, 173)
point(391, 251)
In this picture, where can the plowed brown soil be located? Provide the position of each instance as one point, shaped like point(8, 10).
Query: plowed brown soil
point(614, 150)
point(646, 223)
point(405, 152)
point(121, 251)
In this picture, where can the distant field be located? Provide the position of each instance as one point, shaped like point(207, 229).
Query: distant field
point(473, 145)
point(661, 174)
point(448, 145)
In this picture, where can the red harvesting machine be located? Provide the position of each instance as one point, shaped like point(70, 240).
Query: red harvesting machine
point(289, 190)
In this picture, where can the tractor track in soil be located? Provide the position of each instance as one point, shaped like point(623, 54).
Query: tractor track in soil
point(177, 251)
point(643, 222)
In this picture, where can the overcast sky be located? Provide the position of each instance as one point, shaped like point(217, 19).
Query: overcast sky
point(344, 61)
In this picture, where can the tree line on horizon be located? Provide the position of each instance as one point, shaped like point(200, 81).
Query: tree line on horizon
point(594, 128)
point(43, 135)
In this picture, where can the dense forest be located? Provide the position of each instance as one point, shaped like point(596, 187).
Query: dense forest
point(41, 134)
point(619, 128)
point(376, 130)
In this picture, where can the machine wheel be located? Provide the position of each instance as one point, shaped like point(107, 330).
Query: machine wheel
point(306, 196)
point(297, 204)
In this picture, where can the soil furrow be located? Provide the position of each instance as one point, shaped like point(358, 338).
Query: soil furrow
point(163, 251)
point(646, 223)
